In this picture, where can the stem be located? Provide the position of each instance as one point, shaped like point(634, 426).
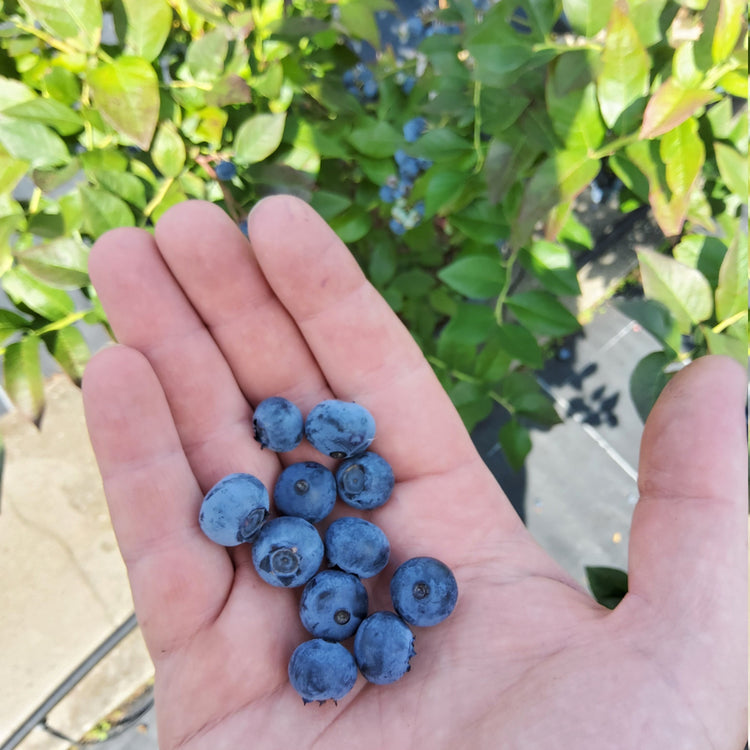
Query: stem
point(88, 128)
point(506, 285)
point(615, 145)
point(159, 197)
point(57, 325)
point(478, 127)
point(48, 39)
point(729, 321)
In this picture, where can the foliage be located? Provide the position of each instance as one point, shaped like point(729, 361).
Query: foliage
point(474, 243)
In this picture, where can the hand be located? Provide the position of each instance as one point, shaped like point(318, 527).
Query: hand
point(208, 327)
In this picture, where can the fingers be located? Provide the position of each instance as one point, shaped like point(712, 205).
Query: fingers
point(149, 311)
point(179, 578)
point(688, 549)
point(217, 271)
point(363, 350)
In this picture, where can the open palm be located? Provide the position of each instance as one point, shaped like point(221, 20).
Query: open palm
point(208, 326)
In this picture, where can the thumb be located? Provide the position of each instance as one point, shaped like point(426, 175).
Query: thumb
point(688, 545)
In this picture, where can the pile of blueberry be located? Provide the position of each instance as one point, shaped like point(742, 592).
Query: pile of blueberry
point(288, 551)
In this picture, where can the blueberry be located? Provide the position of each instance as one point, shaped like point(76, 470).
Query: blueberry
point(415, 27)
point(401, 157)
point(414, 128)
point(243, 227)
point(278, 424)
point(387, 194)
point(365, 481)
point(340, 429)
point(357, 546)
point(424, 591)
point(307, 490)
point(287, 551)
point(225, 170)
point(370, 89)
point(321, 671)
point(396, 227)
point(383, 647)
point(234, 509)
point(410, 168)
point(408, 85)
point(333, 604)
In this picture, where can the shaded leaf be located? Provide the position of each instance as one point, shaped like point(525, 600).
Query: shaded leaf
point(730, 346)
point(608, 585)
point(352, 225)
point(61, 263)
point(377, 139)
point(103, 211)
point(22, 372)
point(126, 92)
point(481, 222)
point(553, 265)
point(27, 292)
point(12, 323)
point(542, 313)
point(655, 317)
point(647, 381)
point(70, 350)
point(205, 56)
point(520, 344)
point(515, 441)
point(475, 276)
point(733, 169)
point(586, 17)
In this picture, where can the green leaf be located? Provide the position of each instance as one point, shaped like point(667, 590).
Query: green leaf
point(444, 189)
point(123, 184)
point(148, 26)
point(61, 263)
point(27, 292)
point(352, 225)
point(496, 49)
point(553, 265)
point(586, 17)
point(542, 313)
point(414, 282)
point(729, 346)
point(670, 105)
point(329, 204)
point(683, 153)
point(34, 143)
point(11, 172)
point(575, 116)
point(558, 179)
point(515, 441)
point(471, 324)
point(258, 137)
point(520, 344)
point(103, 211)
point(731, 293)
point(69, 20)
point(377, 139)
point(440, 145)
point(624, 75)
point(702, 252)
point(728, 29)
point(475, 276)
point(608, 585)
point(733, 169)
point(206, 54)
point(471, 402)
point(504, 164)
point(13, 92)
point(12, 323)
point(126, 93)
point(526, 397)
point(168, 151)
point(655, 317)
point(358, 18)
point(22, 372)
point(49, 112)
point(646, 17)
point(685, 291)
point(481, 222)
point(647, 381)
point(382, 265)
point(70, 350)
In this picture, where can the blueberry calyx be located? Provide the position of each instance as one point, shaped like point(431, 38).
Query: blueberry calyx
point(284, 561)
point(421, 590)
point(338, 454)
point(353, 478)
point(301, 486)
point(341, 617)
point(250, 524)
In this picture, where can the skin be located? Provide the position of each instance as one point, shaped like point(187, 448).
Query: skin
point(209, 324)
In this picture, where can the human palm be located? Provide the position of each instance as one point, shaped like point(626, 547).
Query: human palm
point(209, 326)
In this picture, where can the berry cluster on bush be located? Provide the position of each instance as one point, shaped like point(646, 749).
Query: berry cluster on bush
point(288, 551)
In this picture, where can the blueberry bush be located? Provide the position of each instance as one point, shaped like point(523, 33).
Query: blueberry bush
point(446, 145)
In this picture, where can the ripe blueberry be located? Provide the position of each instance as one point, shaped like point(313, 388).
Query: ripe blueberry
point(277, 424)
point(225, 170)
point(234, 509)
point(287, 551)
point(414, 128)
point(365, 481)
point(306, 489)
point(357, 546)
point(383, 647)
point(320, 670)
point(424, 591)
point(333, 604)
point(340, 429)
